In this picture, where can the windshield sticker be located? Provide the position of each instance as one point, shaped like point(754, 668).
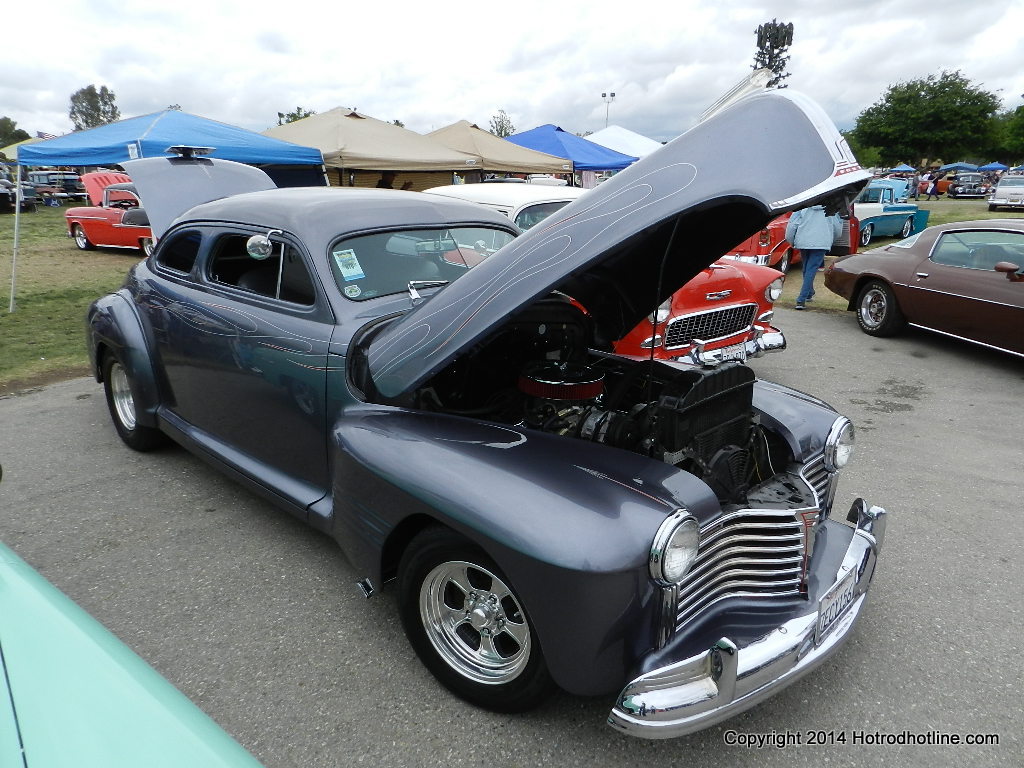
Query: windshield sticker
point(352, 291)
point(348, 264)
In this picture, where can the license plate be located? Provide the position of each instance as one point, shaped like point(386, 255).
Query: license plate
point(834, 604)
point(735, 352)
point(1014, 199)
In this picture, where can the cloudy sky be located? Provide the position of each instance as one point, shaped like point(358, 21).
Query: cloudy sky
point(429, 64)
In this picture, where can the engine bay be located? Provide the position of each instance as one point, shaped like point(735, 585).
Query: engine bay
point(540, 373)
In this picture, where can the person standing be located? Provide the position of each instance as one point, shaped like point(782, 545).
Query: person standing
point(812, 233)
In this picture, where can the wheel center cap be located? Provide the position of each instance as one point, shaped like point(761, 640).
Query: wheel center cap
point(482, 616)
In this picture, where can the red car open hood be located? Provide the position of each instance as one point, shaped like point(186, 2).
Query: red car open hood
point(95, 183)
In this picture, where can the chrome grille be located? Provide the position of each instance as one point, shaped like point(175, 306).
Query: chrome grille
point(822, 482)
point(709, 326)
point(747, 553)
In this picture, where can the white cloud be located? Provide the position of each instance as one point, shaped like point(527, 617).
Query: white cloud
point(429, 64)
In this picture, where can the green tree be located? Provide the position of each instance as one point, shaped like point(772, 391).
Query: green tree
point(10, 132)
point(1013, 134)
point(868, 157)
point(773, 40)
point(291, 117)
point(501, 125)
point(939, 116)
point(91, 107)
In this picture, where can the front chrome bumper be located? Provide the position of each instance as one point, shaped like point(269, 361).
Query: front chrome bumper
point(723, 681)
point(765, 339)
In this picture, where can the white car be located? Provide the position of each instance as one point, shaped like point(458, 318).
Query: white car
point(525, 204)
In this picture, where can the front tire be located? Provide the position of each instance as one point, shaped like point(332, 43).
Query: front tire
point(865, 235)
point(878, 312)
point(783, 263)
point(908, 227)
point(468, 626)
point(81, 239)
point(117, 385)
point(993, 207)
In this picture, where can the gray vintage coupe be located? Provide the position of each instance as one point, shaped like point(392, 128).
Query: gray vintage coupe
point(441, 398)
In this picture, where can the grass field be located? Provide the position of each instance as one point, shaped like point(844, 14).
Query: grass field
point(44, 339)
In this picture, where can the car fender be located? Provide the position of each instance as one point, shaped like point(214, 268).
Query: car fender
point(114, 326)
point(570, 523)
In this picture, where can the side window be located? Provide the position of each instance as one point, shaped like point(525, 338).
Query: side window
point(978, 249)
point(179, 251)
point(230, 264)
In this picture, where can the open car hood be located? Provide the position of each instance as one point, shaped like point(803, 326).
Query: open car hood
point(169, 186)
point(96, 182)
point(630, 243)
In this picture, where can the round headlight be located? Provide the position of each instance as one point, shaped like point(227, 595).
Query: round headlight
point(773, 291)
point(839, 444)
point(675, 547)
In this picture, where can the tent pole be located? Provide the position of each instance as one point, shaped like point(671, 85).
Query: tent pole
point(17, 227)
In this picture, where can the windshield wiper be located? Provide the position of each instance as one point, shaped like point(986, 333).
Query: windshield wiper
point(413, 284)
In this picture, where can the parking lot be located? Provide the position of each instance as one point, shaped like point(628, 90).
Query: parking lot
point(258, 620)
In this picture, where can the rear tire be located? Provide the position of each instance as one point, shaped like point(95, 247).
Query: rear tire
point(908, 227)
point(81, 239)
point(878, 312)
point(467, 625)
point(146, 246)
point(119, 389)
point(865, 235)
point(993, 207)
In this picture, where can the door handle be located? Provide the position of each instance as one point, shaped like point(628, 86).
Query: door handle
point(922, 275)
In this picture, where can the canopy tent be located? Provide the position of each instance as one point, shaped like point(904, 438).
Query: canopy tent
point(585, 155)
point(958, 167)
point(11, 150)
point(623, 140)
point(495, 153)
point(902, 168)
point(150, 136)
point(352, 140)
point(993, 167)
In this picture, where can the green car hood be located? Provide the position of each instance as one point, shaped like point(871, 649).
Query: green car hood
point(72, 694)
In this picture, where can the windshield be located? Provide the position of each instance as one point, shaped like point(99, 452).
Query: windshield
point(383, 263)
point(535, 214)
point(1014, 181)
point(870, 195)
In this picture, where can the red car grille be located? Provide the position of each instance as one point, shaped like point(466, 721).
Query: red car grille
point(709, 326)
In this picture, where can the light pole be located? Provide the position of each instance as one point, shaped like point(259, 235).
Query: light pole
point(608, 99)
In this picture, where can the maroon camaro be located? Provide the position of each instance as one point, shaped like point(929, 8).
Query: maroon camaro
point(964, 280)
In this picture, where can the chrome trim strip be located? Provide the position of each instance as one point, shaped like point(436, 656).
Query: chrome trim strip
point(964, 338)
point(962, 296)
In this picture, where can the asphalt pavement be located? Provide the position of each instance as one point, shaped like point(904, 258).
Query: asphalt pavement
point(258, 620)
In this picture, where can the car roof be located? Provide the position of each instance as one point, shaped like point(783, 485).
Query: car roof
point(512, 195)
point(320, 214)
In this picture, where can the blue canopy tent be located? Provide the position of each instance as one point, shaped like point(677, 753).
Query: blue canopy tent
point(585, 155)
point(993, 167)
point(902, 168)
point(958, 167)
point(150, 135)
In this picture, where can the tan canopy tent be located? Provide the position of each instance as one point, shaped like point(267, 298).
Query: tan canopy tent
point(353, 141)
point(495, 153)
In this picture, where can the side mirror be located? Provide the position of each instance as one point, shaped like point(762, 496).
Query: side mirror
point(1013, 273)
point(259, 247)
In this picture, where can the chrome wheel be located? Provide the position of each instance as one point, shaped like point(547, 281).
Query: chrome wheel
point(474, 622)
point(783, 264)
point(878, 312)
point(146, 246)
point(80, 239)
point(121, 396)
point(908, 227)
point(865, 235)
